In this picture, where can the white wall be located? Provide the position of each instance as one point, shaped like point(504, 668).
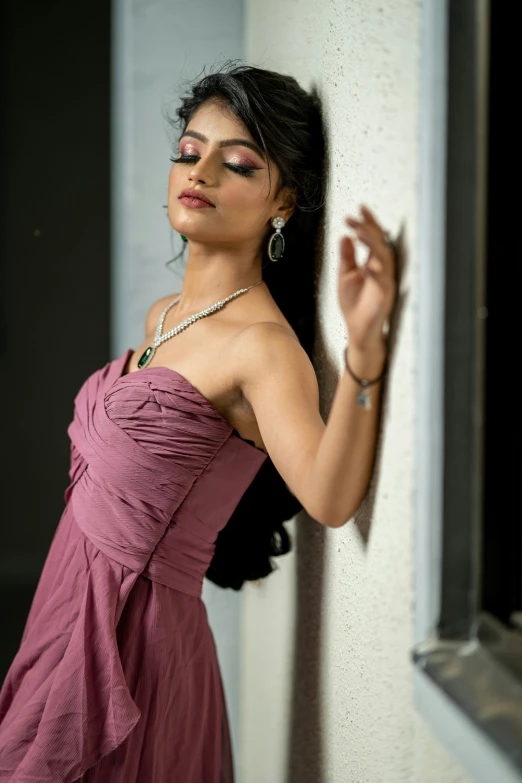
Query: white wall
point(326, 678)
point(156, 47)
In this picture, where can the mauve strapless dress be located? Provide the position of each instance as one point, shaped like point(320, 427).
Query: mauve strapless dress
point(117, 678)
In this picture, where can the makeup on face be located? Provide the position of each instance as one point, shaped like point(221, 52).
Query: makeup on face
point(194, 199)
point(238, 161)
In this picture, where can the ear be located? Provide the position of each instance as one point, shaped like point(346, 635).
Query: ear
point(285, 204)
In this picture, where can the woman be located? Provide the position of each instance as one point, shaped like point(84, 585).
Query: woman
point(117, 678)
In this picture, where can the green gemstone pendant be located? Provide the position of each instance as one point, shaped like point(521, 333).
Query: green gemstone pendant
point(146, 357)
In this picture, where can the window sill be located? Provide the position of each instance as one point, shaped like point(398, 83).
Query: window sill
point(471, 695)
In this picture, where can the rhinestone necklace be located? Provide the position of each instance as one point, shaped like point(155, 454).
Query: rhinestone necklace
point(160, 338)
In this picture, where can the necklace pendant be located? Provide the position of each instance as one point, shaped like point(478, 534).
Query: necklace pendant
point(146, 357)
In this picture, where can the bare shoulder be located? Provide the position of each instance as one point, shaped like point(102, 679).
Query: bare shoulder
point(154, 312)
point(267, 336)
point(271, 350)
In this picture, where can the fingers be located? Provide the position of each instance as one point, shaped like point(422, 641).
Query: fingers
point(368, 231)
point(371, 236)
point(367, 221)
point(348, 263)
point(369, 216)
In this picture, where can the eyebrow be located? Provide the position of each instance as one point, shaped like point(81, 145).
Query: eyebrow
point(229, 143)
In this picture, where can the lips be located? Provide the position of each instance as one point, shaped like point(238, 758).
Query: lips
point(192, 197)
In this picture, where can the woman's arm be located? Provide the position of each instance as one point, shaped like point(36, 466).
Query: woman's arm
point(342, 466)
point(328, 466)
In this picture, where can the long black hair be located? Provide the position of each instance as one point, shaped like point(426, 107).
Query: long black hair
point(286, 122)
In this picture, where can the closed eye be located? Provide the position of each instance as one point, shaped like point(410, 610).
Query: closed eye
point(244, 171)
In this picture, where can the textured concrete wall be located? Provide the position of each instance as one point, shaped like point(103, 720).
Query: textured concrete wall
point(326, 685)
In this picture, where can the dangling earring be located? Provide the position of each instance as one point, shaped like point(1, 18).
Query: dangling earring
point(276, 244)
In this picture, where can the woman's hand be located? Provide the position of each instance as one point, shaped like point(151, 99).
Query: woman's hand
point(367, 292)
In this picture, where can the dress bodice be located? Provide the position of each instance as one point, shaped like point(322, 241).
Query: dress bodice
point(156, 471)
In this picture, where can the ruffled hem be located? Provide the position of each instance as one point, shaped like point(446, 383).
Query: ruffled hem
point(79, 708)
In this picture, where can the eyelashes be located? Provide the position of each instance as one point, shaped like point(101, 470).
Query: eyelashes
point(244, 171)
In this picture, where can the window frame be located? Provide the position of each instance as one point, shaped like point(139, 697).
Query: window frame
point(467, 685)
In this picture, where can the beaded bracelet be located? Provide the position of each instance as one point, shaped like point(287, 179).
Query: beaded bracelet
point(363, 398)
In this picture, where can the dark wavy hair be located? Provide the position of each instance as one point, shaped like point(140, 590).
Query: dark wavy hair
point(286, 122)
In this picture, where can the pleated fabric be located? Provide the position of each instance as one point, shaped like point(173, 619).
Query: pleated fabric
point(117, 678)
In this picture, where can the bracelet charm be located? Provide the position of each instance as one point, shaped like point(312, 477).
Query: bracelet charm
point(363, 398)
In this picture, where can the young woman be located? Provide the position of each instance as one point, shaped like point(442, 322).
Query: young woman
point(117, 678)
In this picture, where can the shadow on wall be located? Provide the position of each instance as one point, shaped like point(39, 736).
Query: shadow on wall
point(305, 762)
point(305, 753)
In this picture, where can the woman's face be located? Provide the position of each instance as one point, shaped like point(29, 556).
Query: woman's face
point(219, 159)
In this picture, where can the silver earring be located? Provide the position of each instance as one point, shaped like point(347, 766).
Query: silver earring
point(276, 244)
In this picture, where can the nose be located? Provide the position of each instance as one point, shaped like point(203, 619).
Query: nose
point(201, 172)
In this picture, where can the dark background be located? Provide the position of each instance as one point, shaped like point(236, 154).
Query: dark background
point(502, 534)
point(54, 268)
